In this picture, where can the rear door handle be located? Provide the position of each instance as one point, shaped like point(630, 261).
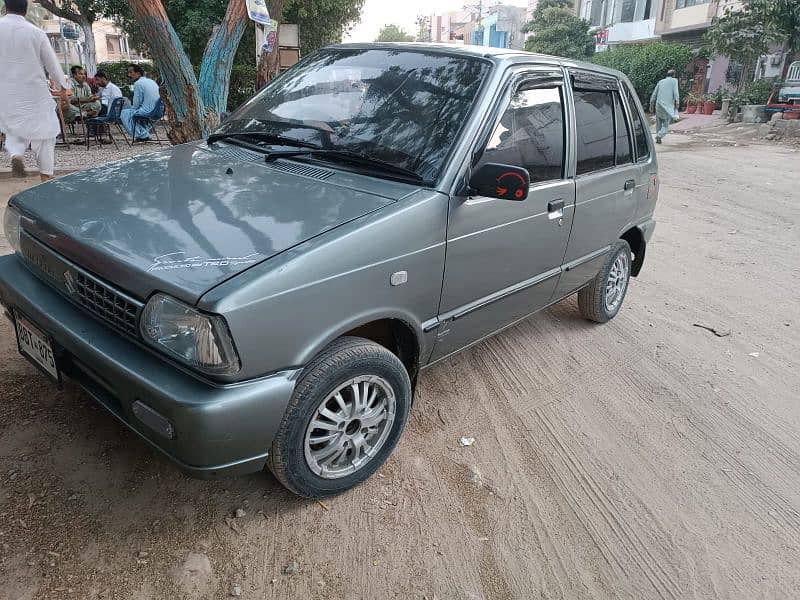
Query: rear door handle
point(555, 209)
point(630, 184)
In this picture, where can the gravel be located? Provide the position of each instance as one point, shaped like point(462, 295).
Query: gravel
point(78, 157)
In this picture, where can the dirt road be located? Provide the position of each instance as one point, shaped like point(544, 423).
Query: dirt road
point(647, 458)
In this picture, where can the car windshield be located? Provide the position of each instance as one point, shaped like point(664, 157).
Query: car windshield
point(404, 108)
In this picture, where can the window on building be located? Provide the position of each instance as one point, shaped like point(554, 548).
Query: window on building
point(640, 132)
point(594, 113)
point(688, 3)
point(531, 134)
point(628, 14)
point(623, 152)
point(113, 44)
point(596, 12)
point(56, 43)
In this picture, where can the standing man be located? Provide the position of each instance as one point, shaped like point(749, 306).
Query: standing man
point(27, 111)
point(145, 98)
point(83, 101)
point(665, 101)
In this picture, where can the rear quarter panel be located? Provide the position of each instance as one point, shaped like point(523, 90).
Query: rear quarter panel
point(284, 311)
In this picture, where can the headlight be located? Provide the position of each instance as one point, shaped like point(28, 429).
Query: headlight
point(11, 227)
point(199, 340)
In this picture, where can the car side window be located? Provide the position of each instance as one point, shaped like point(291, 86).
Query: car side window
point(640, 132)
point(531, 134)
point(594, 114)
point(623, 142)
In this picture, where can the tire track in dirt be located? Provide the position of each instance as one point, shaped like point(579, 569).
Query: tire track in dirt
point(577, 481)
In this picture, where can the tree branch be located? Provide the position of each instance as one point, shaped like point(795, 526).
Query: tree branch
point(70, 13)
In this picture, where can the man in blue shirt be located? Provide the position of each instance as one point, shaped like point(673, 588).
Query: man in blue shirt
point(145, 98)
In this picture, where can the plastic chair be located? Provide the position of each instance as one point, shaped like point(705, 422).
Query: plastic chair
point(151, 119)
point(103, 124)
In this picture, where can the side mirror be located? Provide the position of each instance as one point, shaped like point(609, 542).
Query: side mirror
point(501, 181)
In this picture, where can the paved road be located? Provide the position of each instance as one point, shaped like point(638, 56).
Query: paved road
point(646, 458)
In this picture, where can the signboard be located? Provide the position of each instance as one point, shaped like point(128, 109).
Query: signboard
point(257, 9)
point(601, 40)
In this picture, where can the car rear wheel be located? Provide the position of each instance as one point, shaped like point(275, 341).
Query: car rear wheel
point(344, 419)
point(601, 300)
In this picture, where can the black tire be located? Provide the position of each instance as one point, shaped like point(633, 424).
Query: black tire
point(344, 360)
point(592, 298)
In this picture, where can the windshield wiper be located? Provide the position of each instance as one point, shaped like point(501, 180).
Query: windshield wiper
point(260, 135)
point(366, 161)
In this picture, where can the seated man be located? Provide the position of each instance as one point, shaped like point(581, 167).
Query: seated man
point(145, 97)
point(83, 102)
point(108, 93)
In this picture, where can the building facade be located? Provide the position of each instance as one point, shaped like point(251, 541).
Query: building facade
point(66, 38)
point(497, 26)
point(620, 21)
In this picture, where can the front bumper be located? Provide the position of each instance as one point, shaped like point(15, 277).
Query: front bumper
point(218, 429)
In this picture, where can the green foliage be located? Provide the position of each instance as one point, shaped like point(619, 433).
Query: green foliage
point(393, 33)
point(243, 85)
point(558, 31)
point(756, 92)
point(740, 35)
point(118, 73)
point(745, 34)
point(646, 64)
point(322, 22)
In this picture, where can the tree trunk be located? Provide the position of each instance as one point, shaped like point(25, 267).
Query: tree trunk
point(269, 62)
point(185, 109)
point(215, 69)
point(91, 52)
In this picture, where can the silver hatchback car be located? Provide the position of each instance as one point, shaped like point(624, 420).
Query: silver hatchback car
point(269, 296)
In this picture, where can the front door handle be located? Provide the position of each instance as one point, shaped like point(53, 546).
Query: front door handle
point(555, 209)
point(630, 184)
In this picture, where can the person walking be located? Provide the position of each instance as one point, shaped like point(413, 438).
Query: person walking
point(664, 102)
point(27, 111)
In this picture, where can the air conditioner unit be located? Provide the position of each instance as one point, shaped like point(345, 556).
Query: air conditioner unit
point(776, 60)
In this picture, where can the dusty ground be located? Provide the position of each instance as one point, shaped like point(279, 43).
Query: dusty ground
point(646, 458)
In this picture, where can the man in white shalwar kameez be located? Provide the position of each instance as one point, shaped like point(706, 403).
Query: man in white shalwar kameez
point(665, 101)
point(27, 108)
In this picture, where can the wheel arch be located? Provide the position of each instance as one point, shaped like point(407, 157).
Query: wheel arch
point(396, 332)
point(638, 244)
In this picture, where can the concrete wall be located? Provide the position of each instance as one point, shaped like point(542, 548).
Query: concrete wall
point(691, 16)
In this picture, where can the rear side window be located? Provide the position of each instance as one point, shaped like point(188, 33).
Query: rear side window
point(623, 145)
point(594, 113)
point(531, 134)
point(640, 132)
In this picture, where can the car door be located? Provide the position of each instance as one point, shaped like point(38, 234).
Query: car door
point(606, 177)
point(503, 256)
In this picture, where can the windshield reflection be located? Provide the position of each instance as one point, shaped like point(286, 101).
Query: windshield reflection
point(401, 107)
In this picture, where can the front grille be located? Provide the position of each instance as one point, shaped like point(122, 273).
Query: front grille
point(102, 301)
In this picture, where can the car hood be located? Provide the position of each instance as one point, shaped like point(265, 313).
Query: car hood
point(184, 220)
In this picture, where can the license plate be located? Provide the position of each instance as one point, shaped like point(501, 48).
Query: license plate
point(36, 346)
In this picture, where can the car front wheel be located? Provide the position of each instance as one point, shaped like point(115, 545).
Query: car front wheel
point(601, 300)
point(344, 419)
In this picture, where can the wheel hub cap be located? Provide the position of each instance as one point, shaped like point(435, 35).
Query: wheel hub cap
point(349, 427)
point(617, 282)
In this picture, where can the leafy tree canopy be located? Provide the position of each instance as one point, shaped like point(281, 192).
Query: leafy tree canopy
point(746, 33)
point(320, 22)
point(393, 33)
point(557, 30)
point(645, 64)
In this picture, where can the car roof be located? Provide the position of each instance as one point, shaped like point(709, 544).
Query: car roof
point(505, 56)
